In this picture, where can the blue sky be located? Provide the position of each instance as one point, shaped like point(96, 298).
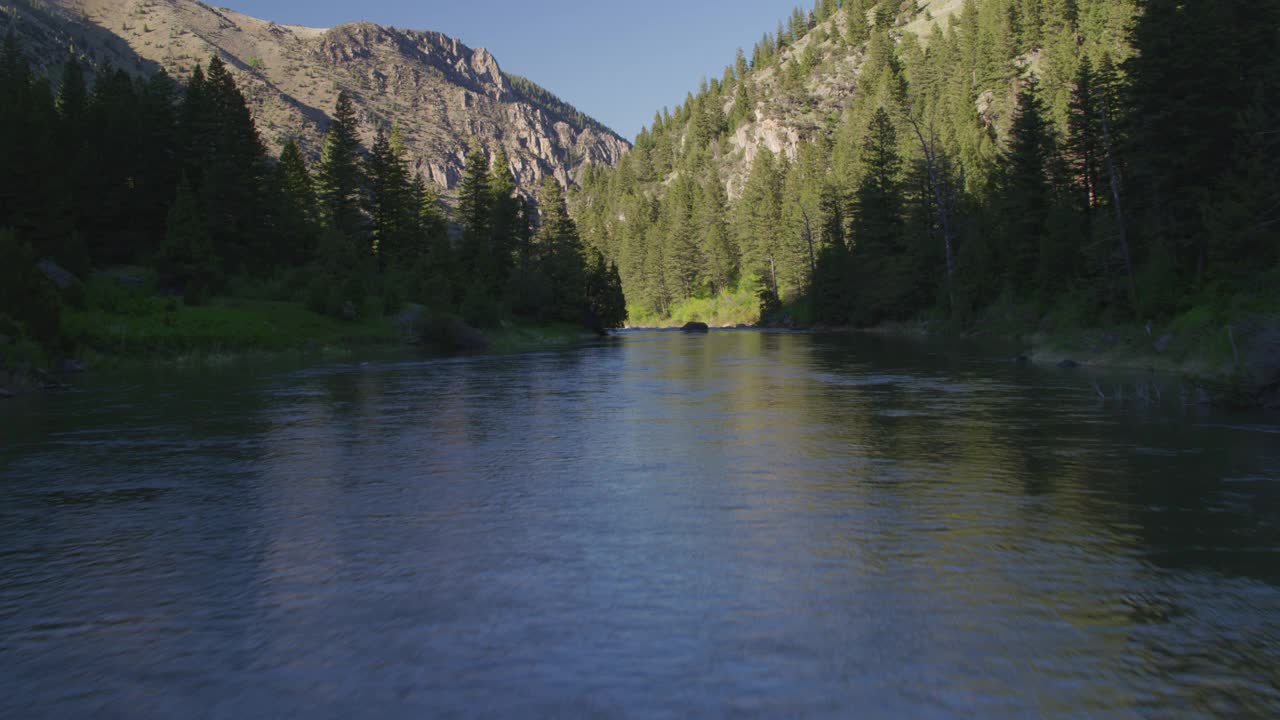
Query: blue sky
point(616, 61)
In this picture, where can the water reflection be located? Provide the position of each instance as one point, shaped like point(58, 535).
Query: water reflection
point(662, 525)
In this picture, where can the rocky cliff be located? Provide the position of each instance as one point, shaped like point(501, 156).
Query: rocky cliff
point(443, 95)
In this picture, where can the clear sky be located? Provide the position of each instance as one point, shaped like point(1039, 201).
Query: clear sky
point(616, 61)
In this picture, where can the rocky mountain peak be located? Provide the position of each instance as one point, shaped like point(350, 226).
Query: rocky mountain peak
point(442, 95)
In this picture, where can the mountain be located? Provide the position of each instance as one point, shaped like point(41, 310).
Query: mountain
point(808, 94)
point(440, 93)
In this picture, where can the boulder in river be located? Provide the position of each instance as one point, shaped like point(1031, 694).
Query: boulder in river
point(1068, 364)
point(695, 327)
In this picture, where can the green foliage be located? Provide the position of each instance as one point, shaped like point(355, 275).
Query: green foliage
point(340, 175)
point(391, 203)
point(187, 263)
point(479, 309)
point(28, 301)
point(169, 329)
point(1004, 161)
point(605, 301)
point(139, 171)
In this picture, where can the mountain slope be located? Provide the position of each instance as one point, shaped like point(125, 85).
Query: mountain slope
point(806, 100)
point(440, 93)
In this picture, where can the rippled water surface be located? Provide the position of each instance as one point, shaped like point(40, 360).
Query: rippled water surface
point(657, 525)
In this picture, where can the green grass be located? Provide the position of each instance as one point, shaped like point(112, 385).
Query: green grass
point(1198, 344)
point(159, 328)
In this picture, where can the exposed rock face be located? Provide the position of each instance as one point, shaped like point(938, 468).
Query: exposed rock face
point(441, 94)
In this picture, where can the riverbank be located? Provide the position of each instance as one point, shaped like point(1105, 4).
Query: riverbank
point(1231, 360)
point(160, 332)
point(1228, 353)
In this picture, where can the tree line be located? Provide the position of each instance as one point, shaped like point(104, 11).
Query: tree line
point(148, 172)
point(1108, 160)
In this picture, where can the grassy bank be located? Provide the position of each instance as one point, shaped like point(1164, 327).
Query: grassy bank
point(114, 326)
point(160, 330)
point(1229, 346)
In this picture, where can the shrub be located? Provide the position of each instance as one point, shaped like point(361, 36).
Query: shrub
point(480, 310)
point(26, 295)
point(448, 333)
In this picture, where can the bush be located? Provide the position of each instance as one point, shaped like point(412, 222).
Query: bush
point(26, 295)
point(392, 299)
point(1160, 290)
point(113, 295)
point(480, 310)
point(448, 333)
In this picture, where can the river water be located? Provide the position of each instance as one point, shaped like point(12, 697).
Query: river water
point(654, 525)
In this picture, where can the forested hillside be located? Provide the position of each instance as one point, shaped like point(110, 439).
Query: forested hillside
point(1082, 160)
point(172, 185)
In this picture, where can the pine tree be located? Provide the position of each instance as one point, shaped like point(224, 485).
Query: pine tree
point(682, 267)
point(559, 254)
point(475, 214)
point(389, 203)
point(878, 226)
point(31, 198)
point(757, 221)
point(505, 219)
point(1026, 194)
point(297, 221)
point(1186, 92)
point(434, 270)
point(232, 174)
point(187, 259)
point(857, 28)
point(719, 259)
point(339, 179)
point(73, 97)
point(606, 303)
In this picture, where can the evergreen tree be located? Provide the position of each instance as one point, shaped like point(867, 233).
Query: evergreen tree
point(475, 214)
point(1026, 194)
point(757, 221)
point(506, 219)
point(232, 177)
point(434, 266)
point(187, 258)
point(719, 259)
point(296, 218)
point(605, 301)
point(858, 30)
point(558, 252)
point(683, 265)
point(339, 179)
point(878, 243)
point(390, 204)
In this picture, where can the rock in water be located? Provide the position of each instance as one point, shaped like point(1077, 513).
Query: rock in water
point(695, 327)
point(1068, 364)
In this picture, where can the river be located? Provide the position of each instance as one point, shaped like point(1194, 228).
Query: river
point(659, 525)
